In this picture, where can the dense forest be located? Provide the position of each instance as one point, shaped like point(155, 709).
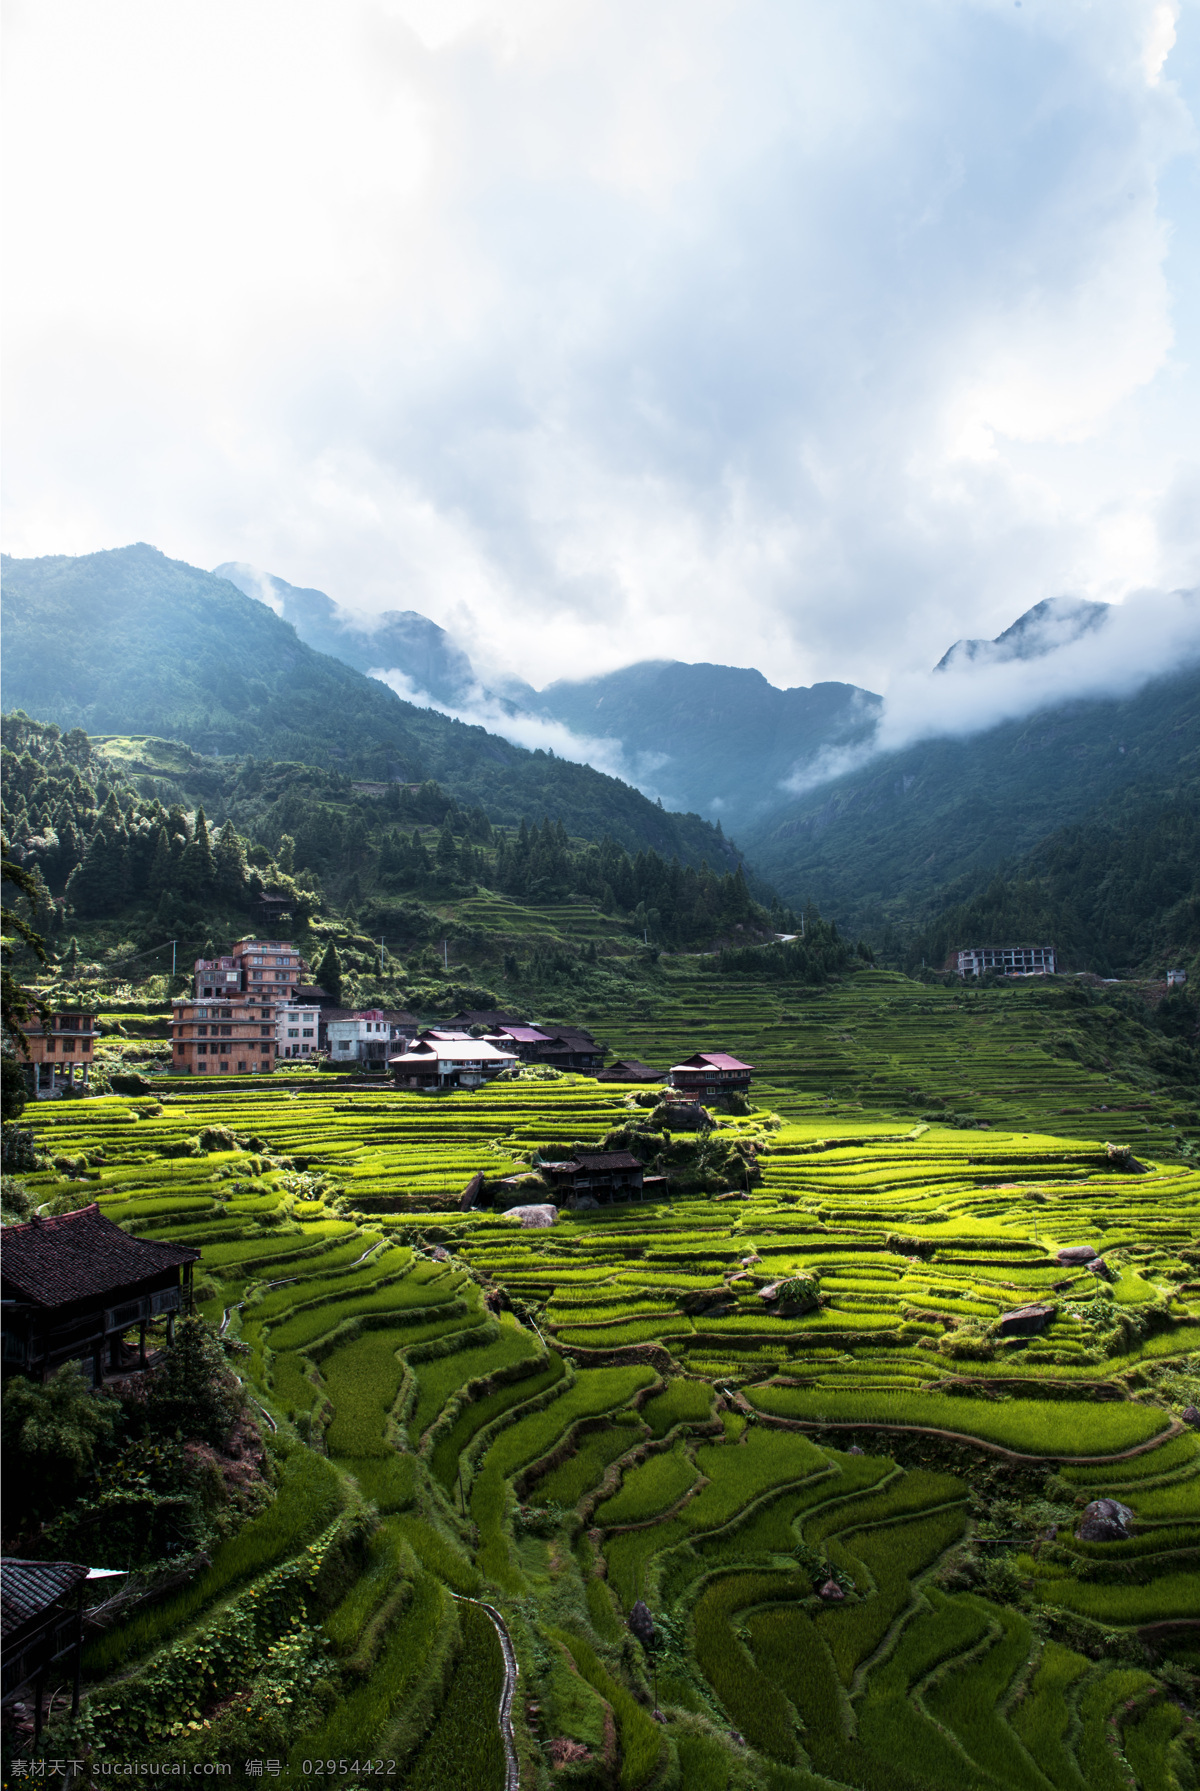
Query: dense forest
point(104, 843)
point(883, 847)
point(130, 642)
point(1119, 891)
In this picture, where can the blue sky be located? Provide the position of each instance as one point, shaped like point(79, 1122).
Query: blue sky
point(786, 334)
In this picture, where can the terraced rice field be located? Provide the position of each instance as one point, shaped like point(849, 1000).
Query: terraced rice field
point(565, 1421)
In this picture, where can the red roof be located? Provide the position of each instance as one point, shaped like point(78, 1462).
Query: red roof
point(54, 1262)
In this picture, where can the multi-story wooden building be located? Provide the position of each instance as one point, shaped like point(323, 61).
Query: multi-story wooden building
point(58, 1057)
point(449, 1061)
point(234, 1020)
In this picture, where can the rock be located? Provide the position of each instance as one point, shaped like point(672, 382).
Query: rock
point(441, 1254)
point(533, 1215)
point(747, 1260)
point(641, 1623)
point(472, 1194)
point(1098, 1266)
point(1076, 1253)
point(1191, 1415)
point(854, 1449)
point(768, 1293)
point(831, 1592)
point(1120, 1156)
point(1105, 1520)
point(1025, 1321)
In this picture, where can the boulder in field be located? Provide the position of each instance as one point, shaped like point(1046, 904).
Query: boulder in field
point(472, 1194)
point(1191, 1415)
point(533, 1216)
point(1024, 1321)
point(1105, 1520)
point(642, 1624)
point(1076, 1253)
point(831, 1592)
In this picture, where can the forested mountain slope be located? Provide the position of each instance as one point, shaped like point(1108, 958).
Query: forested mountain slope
point(130, 642)
point(877, 846)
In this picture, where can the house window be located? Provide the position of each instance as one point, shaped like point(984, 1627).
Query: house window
point(256, 976)
point(179, 1050)
point(241, 1066)
point(50, 1046)
point(308, 1032)
point(203, 1050)
point(343, 1044)
point(202, 1032)
point(208, 991)
point(227, 1013)
point(226, 1032)
point(225, 1050)
point(85, 1044)
point(293, 1032)
point(266, 1031)
point(266, 1064)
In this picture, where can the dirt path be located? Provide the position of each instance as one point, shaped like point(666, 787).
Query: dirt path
point(512, 1771)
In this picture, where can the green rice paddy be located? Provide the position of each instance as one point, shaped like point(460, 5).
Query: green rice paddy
point(563, 1421)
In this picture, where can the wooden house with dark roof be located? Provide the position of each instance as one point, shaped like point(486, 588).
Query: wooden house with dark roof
point(602, 1177)
point(629, 1069)
point(41, 1622)
point(73, 1285)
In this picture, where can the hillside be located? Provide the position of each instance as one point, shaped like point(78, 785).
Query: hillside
point(715, 738)
point(400, 640)
point(877, 846)
point(129, 642)
point(1119, 892)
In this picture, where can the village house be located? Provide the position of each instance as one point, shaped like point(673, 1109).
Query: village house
point(234, 1022)
point(1006, 960)
point(601, 1177)
point(629, 1069)
point(58, 1057)
point(449, 1060)
point(41, 1626)
point(711, 1073)
point(73, 1285)
point(368, 1037)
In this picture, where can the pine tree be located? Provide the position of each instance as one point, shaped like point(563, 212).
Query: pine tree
point(329, 972)
point(230, 858)
point(285, 857)
point(198, 873)
point(161, 867)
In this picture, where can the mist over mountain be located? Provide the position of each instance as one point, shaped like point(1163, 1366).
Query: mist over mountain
point(131, 642)
point(398, 641)
point(1051, 624)
point(876, 845)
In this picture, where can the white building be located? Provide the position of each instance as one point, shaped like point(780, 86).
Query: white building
point(449, 1062)
point(1006, 960)
point(296, 1031)
point(371, 1035)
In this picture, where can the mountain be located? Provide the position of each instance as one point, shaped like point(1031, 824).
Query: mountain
point(877, 845)
point(130, 642)
point(1117, 893)
point(716, 738)
point(1053, 623)
point(399, 641)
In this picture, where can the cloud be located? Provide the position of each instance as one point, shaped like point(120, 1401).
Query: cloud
point(1152, 633)
point(801, 336)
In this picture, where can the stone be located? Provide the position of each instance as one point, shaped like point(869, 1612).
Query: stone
point(831, 1592)
point(1105, 1520)
point(1025, 1321)
point(472, 1194)
point(1076, 1253)
point(641, 1623)
point(533, 1215)
point(441, 1254)
point(1191, 1415)
point(854, 1449)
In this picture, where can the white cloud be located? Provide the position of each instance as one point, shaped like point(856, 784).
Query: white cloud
point(776, 333)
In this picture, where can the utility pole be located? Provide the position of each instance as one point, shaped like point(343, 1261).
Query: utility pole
point(446, 954)
point(174, 943)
